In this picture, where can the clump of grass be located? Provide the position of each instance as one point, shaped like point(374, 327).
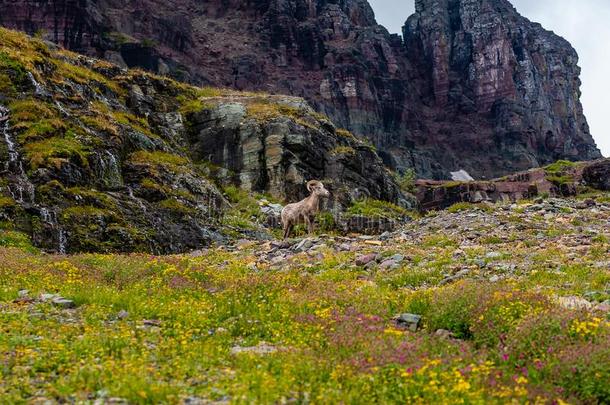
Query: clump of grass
point(406, 180)
point(466, 206)
point(560, 172)
point(7, 202)
point(343, 151)
point(137, 123)
point(345, 133)
point(266, 111)
point(30, 110)
point(54, 151)
point(375, 208)
point(160, 160)
point(9, 238)
point(245, 211)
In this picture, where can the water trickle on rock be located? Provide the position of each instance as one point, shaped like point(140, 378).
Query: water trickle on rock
point(49, 218)
point(39, 90)
point(20, 186)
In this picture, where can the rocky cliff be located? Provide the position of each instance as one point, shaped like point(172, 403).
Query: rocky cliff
point(95, 157)
point(472, 86)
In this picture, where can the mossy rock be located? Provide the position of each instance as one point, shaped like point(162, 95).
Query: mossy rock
point(13, 75)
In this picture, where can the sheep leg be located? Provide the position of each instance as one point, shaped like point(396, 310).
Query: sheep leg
point(287, 230)
point(309, 222)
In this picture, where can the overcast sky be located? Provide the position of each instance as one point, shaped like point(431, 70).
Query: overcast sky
point(585, 23)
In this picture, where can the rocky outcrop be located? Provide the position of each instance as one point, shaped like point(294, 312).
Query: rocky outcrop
point(472, 86)
point(562, 179)
point(96, 157)
point(275, 144)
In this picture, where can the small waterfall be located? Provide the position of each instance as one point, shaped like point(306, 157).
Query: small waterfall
point(107, 170)
point(39, 90)
point(49, 217)
point(63, 242)
point(61, 109)
point(20, 186)
point(13, 155)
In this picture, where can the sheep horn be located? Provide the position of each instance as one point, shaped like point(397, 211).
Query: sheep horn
point(311, 183)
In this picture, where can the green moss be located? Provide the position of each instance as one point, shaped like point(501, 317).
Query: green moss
point(560, 172)
point(42, 129)
point(7, 202)
point(559, 167)
point(30, 110)
point(175, 206)
point(168, 161)
point(345, 133)
point(13, 74)
point(136, 123)
point(82, 75)
point(94, 229)
point(377, 208)
point(92, 197)
point(100, 124)
point(191, 105)
point(85, 211)
point(53, 152)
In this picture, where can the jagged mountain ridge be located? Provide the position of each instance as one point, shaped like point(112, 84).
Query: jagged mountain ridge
point(95, 157)
point(473, 85)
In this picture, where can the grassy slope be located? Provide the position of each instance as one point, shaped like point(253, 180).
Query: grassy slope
point(329, 319)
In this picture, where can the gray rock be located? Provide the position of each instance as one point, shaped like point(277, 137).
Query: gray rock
point(345, 247)
point(122, 314)
point(388, 265)
point(455, 277)
point(398, 258)
point(408, 321)
point(493, 255)
point(303, 245)
point(63, 303)
point(443, 333)
point(48, 297)
point(363, 260)
point(23, 293)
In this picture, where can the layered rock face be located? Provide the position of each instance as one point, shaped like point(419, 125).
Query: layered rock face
point(472, 86)
point(277, 147)
point(508, 88)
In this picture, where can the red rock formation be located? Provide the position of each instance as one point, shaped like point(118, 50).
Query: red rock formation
point(433, 195)
point(473, 86)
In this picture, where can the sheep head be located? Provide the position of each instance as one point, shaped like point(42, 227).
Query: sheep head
point(316, 187)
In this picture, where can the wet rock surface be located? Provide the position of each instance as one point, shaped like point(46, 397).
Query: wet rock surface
point(98, 158)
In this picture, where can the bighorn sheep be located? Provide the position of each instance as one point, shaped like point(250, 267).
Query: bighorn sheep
point(305, 210)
